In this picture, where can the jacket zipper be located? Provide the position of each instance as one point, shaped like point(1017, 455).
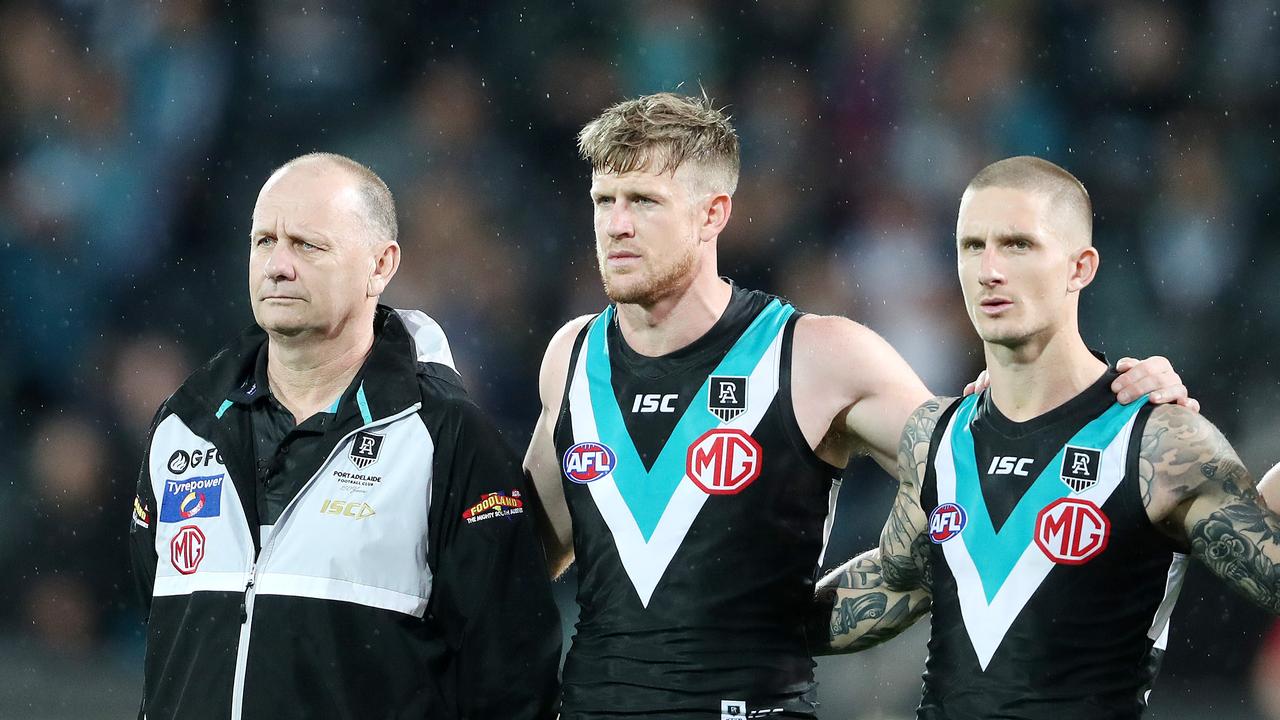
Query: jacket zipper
point(246, 605)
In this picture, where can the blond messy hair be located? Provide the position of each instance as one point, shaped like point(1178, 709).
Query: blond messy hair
point(659, 133)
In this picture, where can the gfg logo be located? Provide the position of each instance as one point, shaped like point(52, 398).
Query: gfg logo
point(945, 522)
point(588, 461)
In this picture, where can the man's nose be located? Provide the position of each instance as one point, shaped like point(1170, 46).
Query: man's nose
point(618, 224)
point(989, 272)
point(280, 263)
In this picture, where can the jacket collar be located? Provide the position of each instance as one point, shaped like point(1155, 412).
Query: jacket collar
point(385, 385)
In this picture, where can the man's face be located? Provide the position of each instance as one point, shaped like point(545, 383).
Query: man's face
point(646, 227)
point(1015, 270)
point(310, 262)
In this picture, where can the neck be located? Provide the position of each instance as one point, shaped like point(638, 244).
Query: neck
point(307, 373)
point(1033, 378)
point(675, 321)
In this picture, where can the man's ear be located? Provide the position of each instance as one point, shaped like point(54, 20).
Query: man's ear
point(385, 264)
point(1084, 268)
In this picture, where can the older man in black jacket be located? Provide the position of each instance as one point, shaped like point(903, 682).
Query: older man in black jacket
point(326, 526)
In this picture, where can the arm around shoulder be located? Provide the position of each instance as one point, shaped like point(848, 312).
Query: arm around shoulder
point(873, 390)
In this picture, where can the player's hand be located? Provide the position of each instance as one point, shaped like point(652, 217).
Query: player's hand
point(981, 383)
point(1154, 377)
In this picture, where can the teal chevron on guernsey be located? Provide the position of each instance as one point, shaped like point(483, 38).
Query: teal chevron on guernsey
point(648, 492)
point(995, 553)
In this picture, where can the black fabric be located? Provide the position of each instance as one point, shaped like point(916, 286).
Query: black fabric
point(730, 617)
point(1078, 649)
point(997, 435)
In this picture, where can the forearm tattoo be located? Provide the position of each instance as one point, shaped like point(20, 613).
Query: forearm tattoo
point(903, 543)
point(865, 612)
point(1190, 475)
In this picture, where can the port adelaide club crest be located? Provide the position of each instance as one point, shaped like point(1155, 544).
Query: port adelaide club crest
point(727, 396)
point(365, 449)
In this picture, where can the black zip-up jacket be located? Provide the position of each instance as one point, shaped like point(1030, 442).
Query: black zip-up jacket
point(403, 581)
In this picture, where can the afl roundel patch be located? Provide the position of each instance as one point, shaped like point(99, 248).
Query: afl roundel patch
point(588, 461)
point(946, 521)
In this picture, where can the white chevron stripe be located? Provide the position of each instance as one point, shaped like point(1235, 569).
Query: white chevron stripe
point(986, 623)
point(645, 562)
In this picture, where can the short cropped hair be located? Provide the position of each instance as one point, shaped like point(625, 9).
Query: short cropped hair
point(379, 204)
point(661, 132)
point(1026, 172)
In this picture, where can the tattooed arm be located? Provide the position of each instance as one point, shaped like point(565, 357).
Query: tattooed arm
point(883, 591)
point(1197, 491)
point(904, 542)
point(863, 611)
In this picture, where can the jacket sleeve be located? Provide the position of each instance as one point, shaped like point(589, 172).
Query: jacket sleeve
point(142, 533)
point(491, 595)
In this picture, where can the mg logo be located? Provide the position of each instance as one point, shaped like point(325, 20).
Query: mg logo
point(723, 462)
point(1072, 531)
point(945, 522)
point(186, 549)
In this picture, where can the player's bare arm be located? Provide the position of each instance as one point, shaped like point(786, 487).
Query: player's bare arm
point(1197, 491)
point(853, 392)
point(865, 612)
point(883, 591)
point(904, 542)
point(554, 523)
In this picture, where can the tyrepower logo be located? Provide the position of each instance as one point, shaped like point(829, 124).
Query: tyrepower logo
point(724, 461)
point(946, 521)
point(588, 461)
point(186, 549)
point(1072, 531)
point(192, 498)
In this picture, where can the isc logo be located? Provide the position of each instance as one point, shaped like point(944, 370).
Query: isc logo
point(347, 508)
point(945, 522)
point(654, 403)
point(1072, 531)
point(723, 462)
point(588, 461)
point(1006, 465)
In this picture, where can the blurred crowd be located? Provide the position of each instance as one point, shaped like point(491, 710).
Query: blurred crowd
point(134, 136)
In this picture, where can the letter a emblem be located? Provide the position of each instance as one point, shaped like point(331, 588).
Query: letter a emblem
point(727, 396)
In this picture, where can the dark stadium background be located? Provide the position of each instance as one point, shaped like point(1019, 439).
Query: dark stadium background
point(134, 136)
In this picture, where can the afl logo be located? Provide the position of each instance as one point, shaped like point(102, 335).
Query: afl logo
point(945, 522)
point(588, 461)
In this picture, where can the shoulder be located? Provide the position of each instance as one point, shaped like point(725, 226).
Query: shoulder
point(830, 344)
point(555, 362)
point(1182, 455)
point(562, 341)
point(849, 359)
point(1174, 436)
